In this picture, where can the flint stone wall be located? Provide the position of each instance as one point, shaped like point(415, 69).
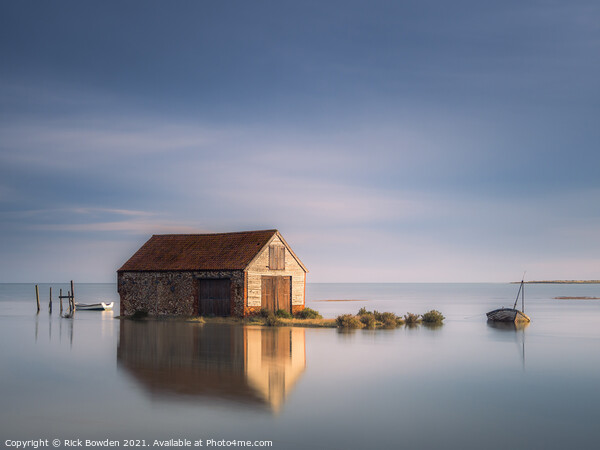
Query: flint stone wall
point(172, 293)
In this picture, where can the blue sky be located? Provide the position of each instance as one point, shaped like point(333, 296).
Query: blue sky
point(404, 141)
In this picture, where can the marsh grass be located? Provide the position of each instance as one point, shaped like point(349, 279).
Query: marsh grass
point(348, 321)
point(272, 320)
point(433, 317)
point(309, 323)
point(312, 319)
point(376, 319)
point(282, 313)
point(412, 319)
point(389, 320)
point(308, 313)
point(368, 320)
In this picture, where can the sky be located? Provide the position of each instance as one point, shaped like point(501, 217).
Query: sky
point(388, 141)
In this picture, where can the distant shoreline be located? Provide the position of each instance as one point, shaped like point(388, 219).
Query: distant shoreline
point(340, 300)
point(560, 282)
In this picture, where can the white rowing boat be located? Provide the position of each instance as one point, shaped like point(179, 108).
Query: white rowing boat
point(94, 306)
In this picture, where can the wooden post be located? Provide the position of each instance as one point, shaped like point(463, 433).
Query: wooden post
point(73, 297)
point(71, 304)
point(60, 298)
point(50, 302)
point(37, 297)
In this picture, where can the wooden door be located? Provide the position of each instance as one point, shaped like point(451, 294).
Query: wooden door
point(284, 297)
point(267, 293)
point(276, 293)
point(214, 297)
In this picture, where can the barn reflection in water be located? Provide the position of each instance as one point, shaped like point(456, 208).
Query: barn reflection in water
point(181, 360)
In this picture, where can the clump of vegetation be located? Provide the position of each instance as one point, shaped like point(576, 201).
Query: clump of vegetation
point(378, 315)
point(272, 320)
point(411, 319)
point(308, 313)
point(283, 314)
point(382, 319)
point(265, 313)
point(389, 320)
point(348, 321)
point(433, 317)
point(368, 320)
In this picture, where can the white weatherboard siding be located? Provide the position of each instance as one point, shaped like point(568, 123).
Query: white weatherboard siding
point(260, 266)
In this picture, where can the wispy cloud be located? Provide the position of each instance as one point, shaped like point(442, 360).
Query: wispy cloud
point(122, 212)
point(82, 211)
point(82, 144)
point(139, 227)
point(85, 220)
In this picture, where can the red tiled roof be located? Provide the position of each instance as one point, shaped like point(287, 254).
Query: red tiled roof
point(219, 251)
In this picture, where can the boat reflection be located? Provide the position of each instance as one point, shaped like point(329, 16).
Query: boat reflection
point(253, 365)
point(508, 326)
point(515, 327)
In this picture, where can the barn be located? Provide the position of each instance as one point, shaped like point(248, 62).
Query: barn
point(220, 274)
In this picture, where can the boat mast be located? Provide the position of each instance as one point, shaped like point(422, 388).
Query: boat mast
point(518, 293)
point(522, 292)
point(523, 298)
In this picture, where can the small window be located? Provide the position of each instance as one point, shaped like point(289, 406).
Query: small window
point(276, 257)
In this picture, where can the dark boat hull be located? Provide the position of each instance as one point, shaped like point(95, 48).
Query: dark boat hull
point(507, 315)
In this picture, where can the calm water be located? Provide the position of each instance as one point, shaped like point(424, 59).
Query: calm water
point(465, 385)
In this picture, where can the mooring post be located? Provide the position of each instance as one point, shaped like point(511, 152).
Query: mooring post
point(73, 296)
point(50, 302)
point(71, 304)
point(37, 297)
point(60, 298)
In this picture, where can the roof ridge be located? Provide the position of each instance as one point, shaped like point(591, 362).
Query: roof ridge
point(217, 234)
